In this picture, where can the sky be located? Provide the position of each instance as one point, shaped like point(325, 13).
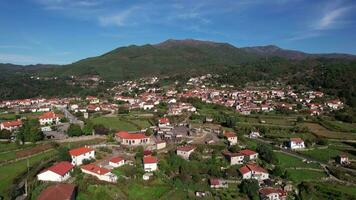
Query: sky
point(65, 31)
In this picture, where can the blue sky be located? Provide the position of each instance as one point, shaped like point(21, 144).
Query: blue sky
point(64, 31)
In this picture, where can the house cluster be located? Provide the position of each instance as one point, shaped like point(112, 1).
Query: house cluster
point(61, 171)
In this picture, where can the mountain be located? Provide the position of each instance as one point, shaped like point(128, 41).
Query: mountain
point(272, 50)
point(167, 58)
point(171, 57)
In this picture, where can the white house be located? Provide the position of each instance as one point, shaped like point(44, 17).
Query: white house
point(218, 183)
point(269, 193)
point(241, 156)
point(101, 173)
point(10, 125)
point(58, 172)
point(161, 145)
point(254, 134)
point(248, 154)
point(164, 121)
point(254, 171)
point(231, 137)
point(48, 118)
point(116, 162)
point(343, 159)
point(234, 158)
point(150, 163)
point(185, 151)
point(132, 139)
point(296, 143)
point(80, 154)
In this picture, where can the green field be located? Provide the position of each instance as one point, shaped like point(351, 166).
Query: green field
point(287, 161)
point(101, 192)
point(338, 125)
point(119, 123)
point(324, 154)
point(328, 191)
point(298, 176)
point(133, 189)
point(321, 131)
point(7, 156)
point(10, 171)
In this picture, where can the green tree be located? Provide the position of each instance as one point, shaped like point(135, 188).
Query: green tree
point(149, 132)
point(74, 130)
point(266, 153)
point(63, 154)
point(249, 187)
point(88, 128)
point(30, 131)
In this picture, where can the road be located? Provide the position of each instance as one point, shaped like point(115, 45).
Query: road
point(72, 119)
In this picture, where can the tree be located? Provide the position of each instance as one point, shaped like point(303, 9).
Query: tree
point(123, 110)
point(5, 134)
point(149, 132)
point(249, 187)
point(278, 171)
point(235, 148)
point(63, 154)
point(30, 131)
point(100, 129)
point(266, 153)
point(74, 130)
point(88, 128)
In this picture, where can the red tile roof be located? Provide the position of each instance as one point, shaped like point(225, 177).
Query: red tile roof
point(61, 191)
point(149, 159)
point(247, 152)
point(80, 151)
point(251, 167)
point(297, 140)
point(132, 136)
point(60, 168)
point(185, 148)
point(48, 115)
point(116, 159)
point(269, 190)
point(95, 169)
point(163, 120)
point(12, 123)
point(214, 181)
point(229, 134)
point(244, 170)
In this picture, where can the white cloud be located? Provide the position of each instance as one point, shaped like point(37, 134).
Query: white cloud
point(332, 18)
point(118, 19)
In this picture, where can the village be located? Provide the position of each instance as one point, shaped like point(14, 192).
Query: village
point(254, 141)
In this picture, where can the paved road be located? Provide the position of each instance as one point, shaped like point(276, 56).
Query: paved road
point(72, 119)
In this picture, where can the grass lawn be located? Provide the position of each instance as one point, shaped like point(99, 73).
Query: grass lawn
point(7, 156)
point(10, 171)
point(152, 190)
point(287, 161)
point(338, 125)
point(329, 191)
point(324, 154)
point(10, 146)
point(116, 123)
point(7, 116)
point(298, 176)
point(321, 131)
point(101, 192)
